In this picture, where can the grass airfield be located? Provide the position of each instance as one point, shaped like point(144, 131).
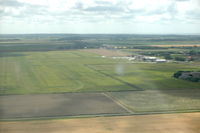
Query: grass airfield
point(81, 71)
point(128, 88)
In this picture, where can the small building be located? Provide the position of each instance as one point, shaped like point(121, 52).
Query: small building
point(138, 57)
point(160, 60)
point(149, 58)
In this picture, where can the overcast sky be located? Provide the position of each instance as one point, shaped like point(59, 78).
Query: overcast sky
point(100, 16)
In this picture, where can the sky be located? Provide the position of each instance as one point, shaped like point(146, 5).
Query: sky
point(100, 16)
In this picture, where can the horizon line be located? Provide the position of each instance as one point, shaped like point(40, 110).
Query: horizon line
point(103, 33)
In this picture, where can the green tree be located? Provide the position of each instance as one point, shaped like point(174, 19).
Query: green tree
point(179, 58)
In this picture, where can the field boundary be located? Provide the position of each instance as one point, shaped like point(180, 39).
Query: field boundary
point(108, 75)
point(97, 115)
point(172, 89)
point(118, 102)
point(129, 112)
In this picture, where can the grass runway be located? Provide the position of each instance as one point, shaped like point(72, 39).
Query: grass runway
point(80, 71)
point(135, 87)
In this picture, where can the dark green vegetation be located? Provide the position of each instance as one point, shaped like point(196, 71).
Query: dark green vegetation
point(46, 42)
point(189, 53)
point(179, 47)
point(188, 75)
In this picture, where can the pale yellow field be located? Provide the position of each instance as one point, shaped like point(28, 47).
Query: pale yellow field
point(158, 123)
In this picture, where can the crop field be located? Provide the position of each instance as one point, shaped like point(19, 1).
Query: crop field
point(159, 123)
point(81, 71)
point(159, 100)
point(178, 45)
point(40, 106)
point(57, 105)
point(70, 77)
point(103, 85)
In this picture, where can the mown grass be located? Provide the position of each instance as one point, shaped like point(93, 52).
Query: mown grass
point(159, 100)
point(52, 72)
point(78, 71)
point(150, 75)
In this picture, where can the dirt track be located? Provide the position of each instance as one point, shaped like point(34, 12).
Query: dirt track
point(163, 123)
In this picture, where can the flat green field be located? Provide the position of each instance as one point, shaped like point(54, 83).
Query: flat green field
point(51, 72)
point(78, 71)
point(159, 100)
point(149, 75)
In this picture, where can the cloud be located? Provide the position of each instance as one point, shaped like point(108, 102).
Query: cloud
point(10, 3)
point(104, 9)
point(101, 2)
point(182, 0)
point(109, 13)
point(14, 8)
